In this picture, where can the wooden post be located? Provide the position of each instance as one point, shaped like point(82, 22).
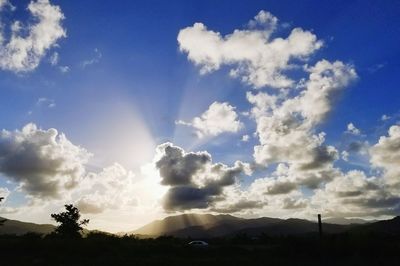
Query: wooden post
point(320, 226)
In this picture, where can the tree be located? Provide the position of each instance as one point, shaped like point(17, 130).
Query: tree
point(2, 221)
point(70, 223)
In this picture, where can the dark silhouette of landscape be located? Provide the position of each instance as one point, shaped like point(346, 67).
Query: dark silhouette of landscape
point(232, 241)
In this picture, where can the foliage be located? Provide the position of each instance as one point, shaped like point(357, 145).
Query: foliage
point(70, 223)
point(105, 249)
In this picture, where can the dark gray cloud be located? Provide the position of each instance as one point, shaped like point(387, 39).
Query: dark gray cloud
point(243, 204)
point(43, 162)
point(321, 156)
point(281, 187)
point(196, 183)
point(290, 203)
point(177, 168)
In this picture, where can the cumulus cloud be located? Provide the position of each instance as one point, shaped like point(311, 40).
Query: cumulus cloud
point(29, 42)
point(353, 194)
point(386, 155)
point(4, 192)
point(109, 189)
point(42, 162)
point(287, 119)
point(194, 181)
point(217, 119)
point(285, 125)
point(254, 56)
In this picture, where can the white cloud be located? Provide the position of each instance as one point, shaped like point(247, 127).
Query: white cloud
point(5, 4)
point(64, 69)
point(255, 58)
point(29, 43)
point(385, 117)
point(351, 129)
point(94, 60)
point(345, 156)
point(217, 119)
point(285, 125)
point(43, 101)
point(386, 155)
point(245, 138)
point(109, 189)
point(54, 58)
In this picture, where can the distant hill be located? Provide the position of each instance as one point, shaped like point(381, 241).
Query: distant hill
point(388, 227)
point(20, 228)
point(207, 225)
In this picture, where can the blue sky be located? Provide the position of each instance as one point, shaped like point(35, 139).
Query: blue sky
point(121, 80)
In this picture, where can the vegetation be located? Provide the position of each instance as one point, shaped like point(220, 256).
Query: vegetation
point(105, 249)
point(368, 245)
point(70, 223)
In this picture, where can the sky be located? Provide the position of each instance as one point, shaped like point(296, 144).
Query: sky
point(136, 110)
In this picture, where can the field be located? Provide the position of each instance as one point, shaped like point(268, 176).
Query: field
point(102, 249)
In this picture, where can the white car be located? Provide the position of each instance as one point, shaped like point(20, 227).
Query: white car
point(198, 243)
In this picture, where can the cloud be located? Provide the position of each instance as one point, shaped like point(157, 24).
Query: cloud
point(217, 119)
point(238, 206)
point(245, 138)
point(253, 56)
point(351, 129)
point(194, 181)
point(111, 188)
point(29, 43)
point(4, 192)
point(54, 58)
point(43, 101)
point(43, 162)
point(287, 119)
point(385, 117)
point(386, 155)
point(6, 3)
point(64, 69)
point(355, 195)
point(94, 60)
point(285, 125)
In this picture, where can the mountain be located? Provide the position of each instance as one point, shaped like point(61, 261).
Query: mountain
point(207, 225)
point(20, 228)
point(387, 227)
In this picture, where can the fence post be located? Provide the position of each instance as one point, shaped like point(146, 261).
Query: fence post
point(320, 226)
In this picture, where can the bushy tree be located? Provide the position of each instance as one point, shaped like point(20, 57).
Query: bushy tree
point(70, 223)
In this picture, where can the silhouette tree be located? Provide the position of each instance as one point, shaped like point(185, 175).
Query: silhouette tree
point(2, 221)
point(70, 223)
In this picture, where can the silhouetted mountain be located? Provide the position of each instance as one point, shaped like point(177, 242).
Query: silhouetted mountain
point(20, 228)
point(207, 226)
point(390, 227)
